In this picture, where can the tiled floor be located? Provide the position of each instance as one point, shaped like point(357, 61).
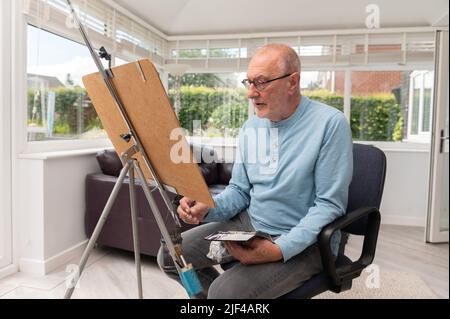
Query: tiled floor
point(110, 273)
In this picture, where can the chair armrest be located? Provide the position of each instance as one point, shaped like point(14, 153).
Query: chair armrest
point(348, 272)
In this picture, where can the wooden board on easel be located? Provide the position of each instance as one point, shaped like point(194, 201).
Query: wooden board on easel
point(149, 111)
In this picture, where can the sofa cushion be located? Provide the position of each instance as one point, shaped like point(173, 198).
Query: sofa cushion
point(209, 172)
point(109, 163)
point(224, 171)
point(207, 159)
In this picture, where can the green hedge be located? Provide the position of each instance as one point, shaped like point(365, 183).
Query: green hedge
point(373, 118)
point(70, 104)
point(230, 118)
point(199, 103)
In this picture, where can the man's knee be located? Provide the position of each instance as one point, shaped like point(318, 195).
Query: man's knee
point(217, 292)
point(220, 289)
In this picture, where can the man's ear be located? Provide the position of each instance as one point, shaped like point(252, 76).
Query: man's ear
point(294, 83)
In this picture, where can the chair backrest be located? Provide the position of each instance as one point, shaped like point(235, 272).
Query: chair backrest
point(366, 188)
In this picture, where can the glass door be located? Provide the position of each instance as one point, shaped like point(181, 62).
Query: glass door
point(437, 222)
point(5, 136)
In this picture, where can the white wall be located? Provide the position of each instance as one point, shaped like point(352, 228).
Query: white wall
point(65, 183)
point(405, 196)
point(50, 209)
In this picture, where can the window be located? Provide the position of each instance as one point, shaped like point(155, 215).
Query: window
point(224, 56)
point(427, 99)
point(383, 104)
point(58, 108)
point(415, 102)
point(119, 61)
point(228, 53)
point(380, 101)
point(212, 104)
point(58, 105)
point(313, 80)
point(375, 103)
point(378, 104)
point(220, 53)
point(189, 53)
point(319, 86)
point(215, 105)
point(420, 106)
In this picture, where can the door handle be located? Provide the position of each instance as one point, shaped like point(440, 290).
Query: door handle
point(443, 138)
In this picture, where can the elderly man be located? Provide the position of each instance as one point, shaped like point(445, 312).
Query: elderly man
point(302, 187)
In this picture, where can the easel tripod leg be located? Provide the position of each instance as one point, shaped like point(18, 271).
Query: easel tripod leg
point(187, 273)
point(137, 250)
point(97, 230)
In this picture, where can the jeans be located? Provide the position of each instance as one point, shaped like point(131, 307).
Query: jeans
point(266, 281)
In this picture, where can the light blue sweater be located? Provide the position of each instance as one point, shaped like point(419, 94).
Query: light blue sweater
point(297, 181)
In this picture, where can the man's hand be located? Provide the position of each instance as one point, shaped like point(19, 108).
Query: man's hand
point(256, 251)
point(192, 212)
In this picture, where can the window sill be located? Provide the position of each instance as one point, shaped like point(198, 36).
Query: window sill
point(213, 141)
point(60, 154)
point(65, 146)
point(219, 142)
point(400, 147)
point(405, 146)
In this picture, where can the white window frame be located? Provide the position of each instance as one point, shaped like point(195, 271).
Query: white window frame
point(20, 52)
point(169, 42)
point(406, 144)
point(421, 136)
point(25, 146)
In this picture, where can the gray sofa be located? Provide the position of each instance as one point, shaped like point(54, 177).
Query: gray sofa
point(117, 231)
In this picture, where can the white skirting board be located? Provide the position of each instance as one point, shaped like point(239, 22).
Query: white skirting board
point(8, 270)
point(44, 267)
point(403, 220)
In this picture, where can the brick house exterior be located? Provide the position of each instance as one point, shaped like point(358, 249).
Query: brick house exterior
point(367, 82)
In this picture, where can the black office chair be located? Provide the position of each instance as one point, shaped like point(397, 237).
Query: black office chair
point(362, 219)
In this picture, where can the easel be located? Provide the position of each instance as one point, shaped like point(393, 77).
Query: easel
point(131, 156)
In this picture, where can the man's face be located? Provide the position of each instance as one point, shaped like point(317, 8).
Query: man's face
point(270, 102)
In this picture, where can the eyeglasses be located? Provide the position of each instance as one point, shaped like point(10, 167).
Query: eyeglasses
point(261, 84)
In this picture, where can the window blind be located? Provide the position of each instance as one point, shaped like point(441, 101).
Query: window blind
point(315, 51)
point(105, 27)
point(131, 40)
